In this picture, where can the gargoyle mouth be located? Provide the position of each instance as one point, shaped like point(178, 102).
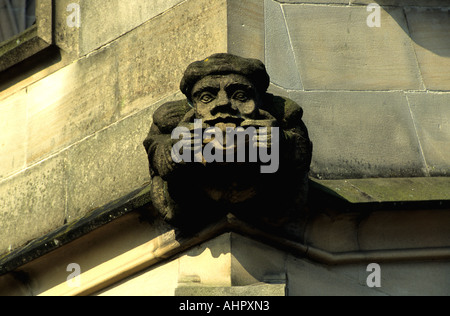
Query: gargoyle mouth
point(225, 120)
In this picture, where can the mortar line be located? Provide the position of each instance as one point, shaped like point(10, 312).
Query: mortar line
point(422, 153)
point(62, 150)
point(422, 82)
point(283, 12)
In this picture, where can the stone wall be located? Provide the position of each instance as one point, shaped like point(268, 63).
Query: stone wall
point(375, 98)
point(71, 134)
point(72, 125)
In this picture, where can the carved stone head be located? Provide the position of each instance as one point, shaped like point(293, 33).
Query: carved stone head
point(226, 93)
point(225, 90)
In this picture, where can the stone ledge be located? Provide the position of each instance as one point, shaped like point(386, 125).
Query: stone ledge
point(330, 253)
point(388, 189)
point(416, 3)
point(74, 230)
point(157, 247)
point(249, 290)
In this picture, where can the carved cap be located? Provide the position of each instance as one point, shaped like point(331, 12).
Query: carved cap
point(219, 64)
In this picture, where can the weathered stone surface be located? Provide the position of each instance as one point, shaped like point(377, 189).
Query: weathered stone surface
point(429, 30)
point(32, 203)
point(280, 60)
point(333, 233)
point(66, 37)
point(69, 105)
point(413, 278)
point(361, 134)
point(222, 266)
point(208, 264)
point(401, 278)
point(194, 264)
point(164, 278)
point(13, 114)
point(246, 28)
point(335, 49)
point(151, 67)
point(431, 113)
point(107, 165)
point(410, 189)
point(314, 1)
point(249, 290)
point(63, 235)
point(389, 189)
point(311, 279)
point(113, 18)
point(224, 261)
point(420, 3)
point(266, 264)
point(392, 230)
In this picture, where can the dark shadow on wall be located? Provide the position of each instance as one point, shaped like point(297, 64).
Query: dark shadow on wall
point(427, 23)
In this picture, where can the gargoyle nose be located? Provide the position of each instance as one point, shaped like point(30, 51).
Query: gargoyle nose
point(223, 99)
point(223, 105)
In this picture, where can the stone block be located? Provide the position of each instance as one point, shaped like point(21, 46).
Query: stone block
point(208, 264)
point(107, 165)
point(151, 67)
point(66, 37)
point(415, 278)
point(113, 18)
point(246, 28)
point(419, 3)
point(370, 190)
point(280, 60)
point(403, 278)
point(404, 230)
point(13, 117)
point(105, 251)
point(336, 50)
point(156, 281)
point(32, 203)
point(431, 113)
point(265, 264)
point(430, 29)
point(225, 262)
point(122, 78)
point(314, 1)
point(361, 134)
point(249, 290)
point(333, 233)
point(71, 104)
point(309, 279)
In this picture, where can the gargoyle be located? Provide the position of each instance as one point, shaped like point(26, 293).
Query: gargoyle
point(207, 173)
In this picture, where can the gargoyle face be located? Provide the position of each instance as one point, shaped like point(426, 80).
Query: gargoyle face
point(225, 100)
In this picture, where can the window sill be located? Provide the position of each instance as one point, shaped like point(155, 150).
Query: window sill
point(31, 41)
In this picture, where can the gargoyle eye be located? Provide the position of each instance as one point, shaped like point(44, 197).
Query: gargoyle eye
point(206, 97)
point(241, 96)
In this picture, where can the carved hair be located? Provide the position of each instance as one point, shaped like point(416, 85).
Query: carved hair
point(221, 64)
